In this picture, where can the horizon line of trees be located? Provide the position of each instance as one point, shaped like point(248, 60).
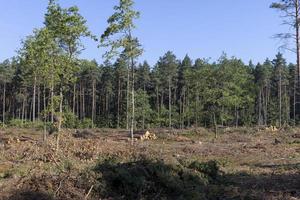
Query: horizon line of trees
point(172, 93)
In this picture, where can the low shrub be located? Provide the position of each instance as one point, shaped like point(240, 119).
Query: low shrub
point(86, 123)
point(152, 179)
point(18, 123)
point(70, 120)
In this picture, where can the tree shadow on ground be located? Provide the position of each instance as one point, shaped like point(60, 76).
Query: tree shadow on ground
point(285, 184)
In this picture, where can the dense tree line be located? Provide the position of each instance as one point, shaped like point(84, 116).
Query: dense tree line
point(47, 79)
point(172, 93)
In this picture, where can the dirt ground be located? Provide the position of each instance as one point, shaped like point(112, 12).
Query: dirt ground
point(255, 164)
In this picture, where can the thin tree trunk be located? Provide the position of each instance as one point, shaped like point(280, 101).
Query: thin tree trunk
point(157, 102)
point(94, 102)
point(83, 102)
point(259, 109)
point(236, 117)
point(127, 100)
point(3, 105)
point(52, 100)
point(74, 98)
point(132, 101)
point(280, 99)
point(170, 106)
point(45, 116)
point(80, 99)
point(118, 106)
point(297, 70)
point(23, 110)
point(215, 125)
point(39, 102)
point(143, 123)
point(34, 99)
point(60, 110)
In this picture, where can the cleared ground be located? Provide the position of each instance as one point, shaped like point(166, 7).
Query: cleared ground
point(254, 163)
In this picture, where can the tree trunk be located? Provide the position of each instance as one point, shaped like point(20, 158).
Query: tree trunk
point(52, 100)
point(23, 110)
point(74, 98)
point(215, 125)
point(236, 117)
point(127, 100)
point(280, 99)
point(259, 109)
point(132, 101)
point(83, 102)
point(39, 102)
point(34, 99)
point(297, 24)
point(60, 110)
point(118, 106)
point(94, 102)
point(170, 106)
point(3, 105)
point(143, 123)
point(45, 116)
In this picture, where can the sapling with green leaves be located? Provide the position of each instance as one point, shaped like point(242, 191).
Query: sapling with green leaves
point(119, 39)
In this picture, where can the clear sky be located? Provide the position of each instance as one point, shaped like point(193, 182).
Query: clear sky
point(200, 28)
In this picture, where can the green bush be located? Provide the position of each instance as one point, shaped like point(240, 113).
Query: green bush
point(86, 123)
point(18, 123)
point(70, 120)
point(147, 179)
point(210, 169)
point(1, 125)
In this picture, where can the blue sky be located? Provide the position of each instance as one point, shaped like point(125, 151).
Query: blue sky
point(199, 28)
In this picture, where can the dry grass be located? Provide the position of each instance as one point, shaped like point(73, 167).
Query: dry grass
point(260, 165)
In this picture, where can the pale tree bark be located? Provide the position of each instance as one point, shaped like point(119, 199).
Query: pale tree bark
point(34, 99)
point(3, 104)
point(170, 104)
point(127, 99)
point(132, 101)
point(280, 98)
point(93, 101)
point(39, 102)
point(118, 106)
point(74, 98)
point(52, 99)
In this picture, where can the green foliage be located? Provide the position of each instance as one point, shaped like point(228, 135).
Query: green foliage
point(143, 109)
point(118, 36)
point(70, 120)
point(18, 123)
point(147, 179)
point(210, 169)
point(86, 123)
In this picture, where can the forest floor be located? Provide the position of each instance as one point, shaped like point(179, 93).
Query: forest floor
point(254, 164)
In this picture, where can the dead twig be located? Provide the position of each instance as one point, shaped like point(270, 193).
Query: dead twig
point(59, 186)
point(90, 190)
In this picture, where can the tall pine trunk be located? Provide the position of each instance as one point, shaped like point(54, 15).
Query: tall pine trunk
point(132, 102)
point(170, 102)
point(118, 106)
point(127, 99)
point(3, 104)
point(280, 99)
point(94, 102)
point(74, 98)
point(34, 99)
